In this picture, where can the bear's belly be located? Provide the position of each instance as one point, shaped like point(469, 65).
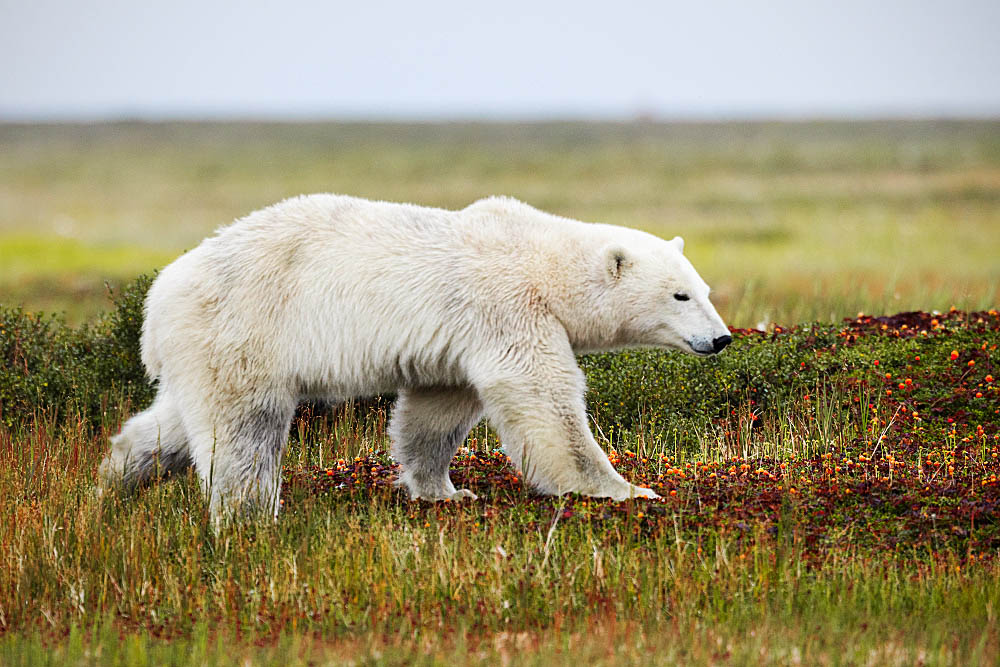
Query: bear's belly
point(341, 384)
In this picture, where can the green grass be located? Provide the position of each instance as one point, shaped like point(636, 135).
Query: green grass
point(788, 222)
point(365, 575)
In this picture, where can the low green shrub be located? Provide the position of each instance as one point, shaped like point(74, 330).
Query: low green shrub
point(668, 393)
point(52, 369)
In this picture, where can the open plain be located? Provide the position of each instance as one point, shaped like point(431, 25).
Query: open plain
point(830, 483)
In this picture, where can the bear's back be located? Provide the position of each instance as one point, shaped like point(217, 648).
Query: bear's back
point(309, 220)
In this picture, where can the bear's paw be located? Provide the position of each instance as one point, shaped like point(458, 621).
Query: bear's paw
point(632, 491)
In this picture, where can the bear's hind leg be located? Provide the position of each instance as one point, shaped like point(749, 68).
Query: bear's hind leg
point(239, 460)
point(428, 425)
point(152, 444)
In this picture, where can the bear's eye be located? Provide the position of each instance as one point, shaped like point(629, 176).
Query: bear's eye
point(681, 297)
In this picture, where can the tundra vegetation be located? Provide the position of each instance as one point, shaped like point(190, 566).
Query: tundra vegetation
point(830, 483)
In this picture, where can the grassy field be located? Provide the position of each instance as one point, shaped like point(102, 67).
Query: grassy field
point(788, 222)
point(831, 492)
point(838, 506)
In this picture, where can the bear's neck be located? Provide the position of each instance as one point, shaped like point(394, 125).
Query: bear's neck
point(578, 298)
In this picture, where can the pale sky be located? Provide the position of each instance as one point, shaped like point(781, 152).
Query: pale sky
point(439, 59)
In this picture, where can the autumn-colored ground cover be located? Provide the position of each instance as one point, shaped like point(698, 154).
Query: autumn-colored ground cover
point(925, 478)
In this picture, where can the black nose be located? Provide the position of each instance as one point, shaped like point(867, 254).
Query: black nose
point(720, 343)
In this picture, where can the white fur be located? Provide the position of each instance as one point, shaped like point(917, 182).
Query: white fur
point(463, 313)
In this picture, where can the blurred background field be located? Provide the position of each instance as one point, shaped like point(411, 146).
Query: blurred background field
point(788, 221)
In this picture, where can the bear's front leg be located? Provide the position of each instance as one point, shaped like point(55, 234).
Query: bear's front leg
point(535, 400)
point(428, 425)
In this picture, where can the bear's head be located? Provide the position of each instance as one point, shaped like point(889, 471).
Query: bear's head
point(658, 299)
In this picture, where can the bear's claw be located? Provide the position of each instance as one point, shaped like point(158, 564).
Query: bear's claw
point(456, 496)
point(435, 494)
point(633, 491)
point(462, 494)
point(640, 492)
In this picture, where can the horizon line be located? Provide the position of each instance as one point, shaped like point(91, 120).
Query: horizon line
point(10, 117)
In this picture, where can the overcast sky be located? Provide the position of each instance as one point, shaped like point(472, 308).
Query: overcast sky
point(515, 58)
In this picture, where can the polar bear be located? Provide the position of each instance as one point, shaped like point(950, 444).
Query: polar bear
point(460, 313)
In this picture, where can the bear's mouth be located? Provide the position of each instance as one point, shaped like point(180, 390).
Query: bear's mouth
point(701, 351)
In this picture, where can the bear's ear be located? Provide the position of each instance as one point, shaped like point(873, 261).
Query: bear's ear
point(679, 242)
point(616, 260)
